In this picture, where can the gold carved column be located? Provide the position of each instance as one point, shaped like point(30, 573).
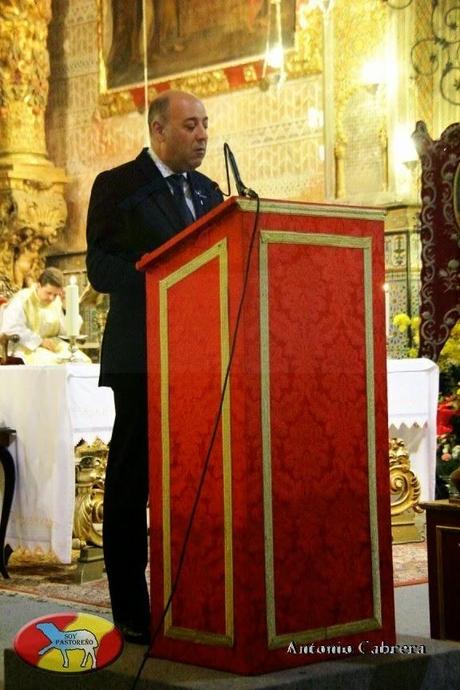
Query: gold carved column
point(32, 205)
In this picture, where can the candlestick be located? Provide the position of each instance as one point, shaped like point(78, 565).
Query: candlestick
point(72, 314)
point(386, 289)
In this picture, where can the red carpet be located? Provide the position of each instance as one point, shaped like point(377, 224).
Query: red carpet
point(410, 566)
point(57, 582)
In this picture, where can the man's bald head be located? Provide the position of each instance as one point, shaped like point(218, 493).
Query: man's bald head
point(178, 129)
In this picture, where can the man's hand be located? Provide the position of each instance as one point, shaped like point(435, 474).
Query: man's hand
point(49, 344)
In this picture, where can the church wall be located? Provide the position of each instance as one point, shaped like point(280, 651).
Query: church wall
point(278, 148)
point(277, 135)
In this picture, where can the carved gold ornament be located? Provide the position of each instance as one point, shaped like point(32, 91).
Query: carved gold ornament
point(405, 495)
point(24, 65)
point(404, 485)
point(91, 462)
point(32, 206)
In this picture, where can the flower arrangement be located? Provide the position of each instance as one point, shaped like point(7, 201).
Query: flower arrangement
point(447, 457)
point(404, 323)
point(448, 429)
point(448, 419)
point(450, 353)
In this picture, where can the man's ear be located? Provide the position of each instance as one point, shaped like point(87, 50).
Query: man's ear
point(157, 130)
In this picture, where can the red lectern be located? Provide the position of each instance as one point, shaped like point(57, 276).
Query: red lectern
point(289, 557)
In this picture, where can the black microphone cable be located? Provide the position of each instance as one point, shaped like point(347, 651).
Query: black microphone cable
point(214, 431)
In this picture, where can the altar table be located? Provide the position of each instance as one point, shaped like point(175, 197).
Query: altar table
point(51, 408)
point(413, 386)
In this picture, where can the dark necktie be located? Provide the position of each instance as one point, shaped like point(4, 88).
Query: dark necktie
point(177, 183)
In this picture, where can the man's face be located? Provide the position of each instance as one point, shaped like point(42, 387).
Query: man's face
point(182, 139)
point(47, 293)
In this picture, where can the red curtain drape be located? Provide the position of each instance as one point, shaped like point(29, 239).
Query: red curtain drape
point(440, 236)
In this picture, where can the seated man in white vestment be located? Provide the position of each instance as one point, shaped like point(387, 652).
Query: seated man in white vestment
point(36, 315)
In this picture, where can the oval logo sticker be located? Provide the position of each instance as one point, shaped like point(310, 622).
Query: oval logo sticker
point(69, 643)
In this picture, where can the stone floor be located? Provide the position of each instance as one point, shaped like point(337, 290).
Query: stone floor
point(439, 669)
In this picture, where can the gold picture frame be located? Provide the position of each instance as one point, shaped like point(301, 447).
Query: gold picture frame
point(198, 46)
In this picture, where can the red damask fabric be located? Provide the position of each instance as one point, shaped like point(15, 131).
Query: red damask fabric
point(291, 536)
point(440, 237)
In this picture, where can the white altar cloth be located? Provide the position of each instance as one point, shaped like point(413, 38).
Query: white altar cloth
point(51, 408)
point(413, 386)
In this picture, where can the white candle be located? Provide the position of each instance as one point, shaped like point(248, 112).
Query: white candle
point(72, 314)
point(386, 289)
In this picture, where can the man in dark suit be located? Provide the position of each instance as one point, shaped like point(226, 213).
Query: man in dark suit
point(133, 209)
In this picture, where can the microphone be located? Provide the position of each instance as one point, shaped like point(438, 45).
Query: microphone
point(240, 186)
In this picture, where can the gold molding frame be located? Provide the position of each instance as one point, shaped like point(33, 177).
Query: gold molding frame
point(219, 252)
point(363, 245)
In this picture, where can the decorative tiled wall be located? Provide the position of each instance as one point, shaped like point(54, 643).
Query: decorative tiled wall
point(277, 149)
point(276, 140)
point(364, 162)
point(402, 261)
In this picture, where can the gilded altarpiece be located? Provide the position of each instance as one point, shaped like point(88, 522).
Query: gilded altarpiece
point(32, 205)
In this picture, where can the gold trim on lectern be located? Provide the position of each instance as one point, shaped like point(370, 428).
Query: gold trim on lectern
point(219, 252)
point(364, 245)
point(299, 208)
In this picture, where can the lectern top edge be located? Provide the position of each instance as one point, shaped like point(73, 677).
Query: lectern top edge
point(303, 208)
point(297, 208)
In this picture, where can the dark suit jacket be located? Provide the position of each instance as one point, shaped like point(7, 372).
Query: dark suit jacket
point(131, 212)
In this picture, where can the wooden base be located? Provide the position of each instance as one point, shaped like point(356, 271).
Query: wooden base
point(443, 537)
point(90, 565)
point(404, 528)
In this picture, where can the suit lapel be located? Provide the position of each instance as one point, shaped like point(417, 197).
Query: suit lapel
point(161, 197)
point(159, 193)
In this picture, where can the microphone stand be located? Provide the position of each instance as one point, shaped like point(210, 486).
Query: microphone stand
point(240, 186)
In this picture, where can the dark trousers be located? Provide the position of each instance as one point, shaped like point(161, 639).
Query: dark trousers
point(125, 503)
